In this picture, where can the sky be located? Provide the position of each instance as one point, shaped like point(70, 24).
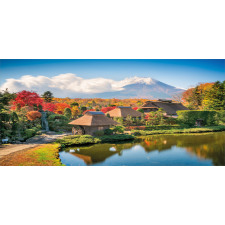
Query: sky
point(98, 75)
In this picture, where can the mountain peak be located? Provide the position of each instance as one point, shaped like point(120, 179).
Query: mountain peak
point(137, 80)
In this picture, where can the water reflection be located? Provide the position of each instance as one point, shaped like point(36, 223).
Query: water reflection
point(193, 149)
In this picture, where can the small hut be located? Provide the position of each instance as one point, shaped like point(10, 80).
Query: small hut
point(93, 121)
point(122, 111)
point(168, 106)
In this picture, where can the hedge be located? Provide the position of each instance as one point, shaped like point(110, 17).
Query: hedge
point(189, 117)
point(179, 131)
point(221, 116)
point(77, 140)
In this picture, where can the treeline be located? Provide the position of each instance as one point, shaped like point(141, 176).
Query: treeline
point(207, 96)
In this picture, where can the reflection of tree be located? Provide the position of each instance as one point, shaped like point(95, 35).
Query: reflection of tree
point(206, 146)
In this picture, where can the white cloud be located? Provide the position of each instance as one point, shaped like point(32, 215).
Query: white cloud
point(69, 84)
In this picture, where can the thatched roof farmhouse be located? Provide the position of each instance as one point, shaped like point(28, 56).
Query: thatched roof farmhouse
point(168, 106)
point(122, 111)
point(93, 121)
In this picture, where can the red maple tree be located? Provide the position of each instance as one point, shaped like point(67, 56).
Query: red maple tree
point(48, 106)
point(107, 109)
point(88, 111)
point(26, 98)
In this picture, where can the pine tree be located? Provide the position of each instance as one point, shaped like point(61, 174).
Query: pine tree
point(48, 96)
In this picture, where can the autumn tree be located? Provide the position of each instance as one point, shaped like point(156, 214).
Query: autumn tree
point(75, 111)
point(26, 98)
point(88, 110)
point(48, 106)
point(107, 109)
point(48, 96)
point(60, 107)
point(33, 115)
point(193, 97)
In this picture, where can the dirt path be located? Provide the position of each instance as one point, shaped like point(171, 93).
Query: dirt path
point(31, 143)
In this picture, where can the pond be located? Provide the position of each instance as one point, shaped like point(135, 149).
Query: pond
point(160, 150)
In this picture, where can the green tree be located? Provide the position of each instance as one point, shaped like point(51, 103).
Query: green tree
point(6, 97)
point(67, 113)
point(143, 119)
point(48, 96)
point(129, 120)
point(75, 104)
point(83, 108)
point(140, 110)
point(215, 97)
point(118, 129)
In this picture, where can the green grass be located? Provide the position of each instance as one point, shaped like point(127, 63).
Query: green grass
point(179, 131)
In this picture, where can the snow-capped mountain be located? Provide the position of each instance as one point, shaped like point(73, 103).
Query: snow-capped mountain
point(138, 87)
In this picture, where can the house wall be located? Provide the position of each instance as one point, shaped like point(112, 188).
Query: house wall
point(91, 129)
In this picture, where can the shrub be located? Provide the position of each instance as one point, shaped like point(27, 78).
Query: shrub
point(163, 127)
point(135, 128)
point(59, 123)
point(33, 115)
point(118, 129)
point(108, 131)
point(99, 133)
point(77, 140)
point(116, 138)
point(136, 133)
point(189, 117)
point(30, 132)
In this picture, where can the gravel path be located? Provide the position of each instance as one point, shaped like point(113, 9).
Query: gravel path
point(30, 143)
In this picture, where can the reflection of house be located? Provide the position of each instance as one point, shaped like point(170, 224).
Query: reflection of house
point(122, 111)
point(168, 106)
point(93, 121)
point(100, 152)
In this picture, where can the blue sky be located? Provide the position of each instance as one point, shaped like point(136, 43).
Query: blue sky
point(179, 73)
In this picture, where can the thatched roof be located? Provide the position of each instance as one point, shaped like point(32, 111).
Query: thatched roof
point(169, 107)
point(94, 119)
point(124, 112)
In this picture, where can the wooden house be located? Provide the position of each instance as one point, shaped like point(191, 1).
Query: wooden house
point(123, 111)
point(168, 106)
point(91, 122)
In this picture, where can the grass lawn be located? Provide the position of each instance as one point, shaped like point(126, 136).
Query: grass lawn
point(44, 155)
point(179, 131)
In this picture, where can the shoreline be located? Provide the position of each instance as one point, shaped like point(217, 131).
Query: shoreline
point(54, 160)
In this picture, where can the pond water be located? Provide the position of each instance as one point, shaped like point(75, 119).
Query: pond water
point(160, 150)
